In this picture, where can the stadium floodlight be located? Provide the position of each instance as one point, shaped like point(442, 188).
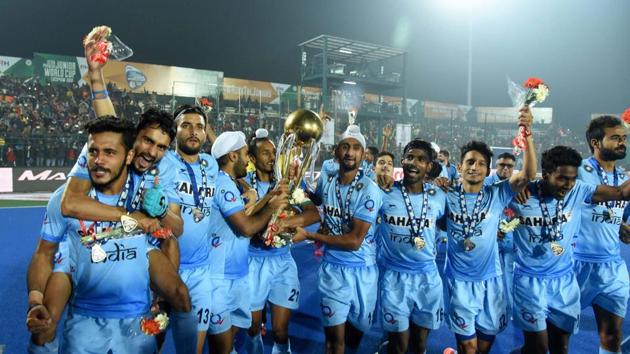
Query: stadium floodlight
point(349, 82)
point(345, 51)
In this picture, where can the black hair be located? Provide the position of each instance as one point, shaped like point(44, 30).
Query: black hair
point(478, 146)
point(189, 108)
point(112, 124)
point(507, 155)
point(152, 117)
point(595, 129)
point(373, 150)
point(445, 153)
point(385, 153)
point(436, 169)
point(252, 145)
point(422, 145)
point(560, 156)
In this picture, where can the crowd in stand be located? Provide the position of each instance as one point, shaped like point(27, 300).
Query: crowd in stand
point(41, 124)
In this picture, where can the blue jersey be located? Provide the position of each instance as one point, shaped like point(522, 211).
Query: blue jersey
point(482, 262)
point(165, 169)
point(534, 256)
point(229, 251)
point(597, 238)
point(507, 244)
point(330, 167)
point(117, 287)
point(194, 245)
point(398, 249)
point(365, 203)
point(257, 246)
point(450, 171)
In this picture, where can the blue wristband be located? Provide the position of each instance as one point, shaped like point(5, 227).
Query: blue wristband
point(102, 92)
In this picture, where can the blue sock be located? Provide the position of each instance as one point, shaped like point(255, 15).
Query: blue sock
point(184, 327)
point(254, 344)
point(48, 348)
point(281, 348)
point(604, 351)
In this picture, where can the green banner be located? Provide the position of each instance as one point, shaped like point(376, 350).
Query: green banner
point(18, 67)
point(56, 69)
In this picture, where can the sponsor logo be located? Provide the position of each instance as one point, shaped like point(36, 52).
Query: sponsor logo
point(326, 311)
point(45, 175)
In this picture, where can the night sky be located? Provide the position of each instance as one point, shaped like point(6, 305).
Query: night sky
point(581, 48)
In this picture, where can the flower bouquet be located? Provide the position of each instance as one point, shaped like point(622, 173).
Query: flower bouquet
point(155, 324)
point(508, 225)
point(107, 44)
point(533, 91)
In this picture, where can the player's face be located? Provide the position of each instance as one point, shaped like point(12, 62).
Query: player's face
point(240, 166)
point(384, 166)
point(613, 146)
point(561, 181)
point(191, 134)
point(505, 168)
point(415, 164)
point(265, 158)
point(150, 146)
point(474, 167)
point(442, 158)
point(107, 158)
point(369, 157)
point(349, 154)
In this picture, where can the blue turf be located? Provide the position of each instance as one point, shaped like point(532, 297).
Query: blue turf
point(20, 230)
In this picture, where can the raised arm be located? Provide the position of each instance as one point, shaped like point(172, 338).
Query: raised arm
point(101, 101)
point(519, 180)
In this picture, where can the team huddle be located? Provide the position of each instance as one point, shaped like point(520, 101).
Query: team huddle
point(140, 231)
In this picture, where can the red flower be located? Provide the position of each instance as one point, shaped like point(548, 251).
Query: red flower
point(509, 213)
point(532, 83)
point(163, 233)
point(625, 117)
point(150, 327)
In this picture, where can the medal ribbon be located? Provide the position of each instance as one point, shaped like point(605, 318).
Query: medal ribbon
point(470, 221)
point(555, 226)
point(417, 225)
point(345, 209)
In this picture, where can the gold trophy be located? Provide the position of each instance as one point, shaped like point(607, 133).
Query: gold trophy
point(297, 150)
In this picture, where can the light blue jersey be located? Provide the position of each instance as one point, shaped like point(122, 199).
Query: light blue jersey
point(165, 169)
point(534, 254)
point(117, 287)
point(365, 203)
point(398, 249)
point(330, 167)
point(482, 262)
point(507, 244)
point(597, 238)
point(229, 251)
point(194, 245)
point(257, 247)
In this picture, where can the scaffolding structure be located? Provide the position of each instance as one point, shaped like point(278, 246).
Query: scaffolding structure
point(356, 77)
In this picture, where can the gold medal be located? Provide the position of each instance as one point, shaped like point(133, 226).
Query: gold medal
point(556, 248)
point(98, 253)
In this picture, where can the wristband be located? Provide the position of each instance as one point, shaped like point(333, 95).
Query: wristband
point(101, 92)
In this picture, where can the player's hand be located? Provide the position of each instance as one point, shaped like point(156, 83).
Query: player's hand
point(525, 117)
point(500, 236)
point(385, 182)
point(300, 235)
point(147, 224)
point(38, 319)
point(154, 201)
point(624, 233)
point(323, 229)
point(443, 183)
point(387, 130)
point(523, 196)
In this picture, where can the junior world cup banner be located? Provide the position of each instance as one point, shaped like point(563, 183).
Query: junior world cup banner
point(58, 69)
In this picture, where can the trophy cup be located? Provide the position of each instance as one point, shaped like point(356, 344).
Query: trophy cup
point(297, 150)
